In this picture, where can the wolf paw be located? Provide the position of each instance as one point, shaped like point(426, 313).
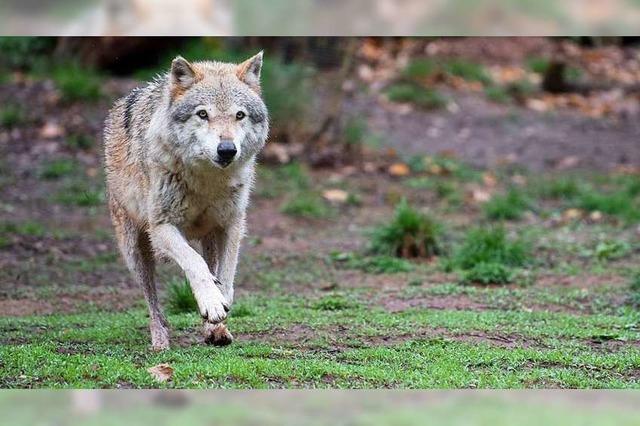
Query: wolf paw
point(211, 303)
point(217, 334)
point(159, 336)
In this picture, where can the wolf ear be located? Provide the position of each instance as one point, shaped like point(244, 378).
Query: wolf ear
point(249, 71)
point(182, 73)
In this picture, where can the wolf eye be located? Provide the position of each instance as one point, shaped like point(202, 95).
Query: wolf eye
point(240, 115)
point(202, 114)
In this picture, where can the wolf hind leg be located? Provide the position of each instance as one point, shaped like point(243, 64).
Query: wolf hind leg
point(138, 255)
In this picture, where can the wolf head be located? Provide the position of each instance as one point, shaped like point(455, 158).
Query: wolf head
point(216, 116)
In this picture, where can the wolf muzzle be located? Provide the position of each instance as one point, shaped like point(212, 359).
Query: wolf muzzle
point(226, 151)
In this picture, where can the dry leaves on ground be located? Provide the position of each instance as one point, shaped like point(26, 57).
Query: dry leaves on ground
point(161, 372)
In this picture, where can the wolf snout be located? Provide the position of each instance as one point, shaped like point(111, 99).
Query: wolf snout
point(226, 151)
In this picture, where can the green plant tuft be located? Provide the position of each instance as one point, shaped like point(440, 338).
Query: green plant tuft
point(29, 228)
point(180, 297)
point(470, 71)
point(634, 289)
point(510, 206)
point(488, 273)
point(618, 203)
point(498, 94)
point(491, 245)
point(420, 68)
point(334, 302)
point(77, 83)
point(80, 194)
point(79, 141)
point(58, 168)
point(12, 115)
point(409, 234)
point(240, 311)
point(557, 188)
point(307, 204)
point(422, 97)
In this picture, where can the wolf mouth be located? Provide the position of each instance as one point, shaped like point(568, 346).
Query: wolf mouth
point(223, 163)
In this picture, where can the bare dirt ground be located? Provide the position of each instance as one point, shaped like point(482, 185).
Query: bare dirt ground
point(488, 135)
point(480, 132)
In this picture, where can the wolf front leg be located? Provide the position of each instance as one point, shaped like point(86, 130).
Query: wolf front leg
point(205, 287)
point(138, 255)
point(228, 246)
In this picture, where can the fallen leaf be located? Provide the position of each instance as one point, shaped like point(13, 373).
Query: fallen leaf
point(572, 214)
point(399, 169)
point(489, 179)
point(479, 195)
point(161, 372)
point(537, 105)
point(51, 130)
point(335, 195)
point(595, 216)
point(568, 162)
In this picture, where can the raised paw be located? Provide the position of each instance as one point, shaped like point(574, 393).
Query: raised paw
point(217, 334)
point(211, 303)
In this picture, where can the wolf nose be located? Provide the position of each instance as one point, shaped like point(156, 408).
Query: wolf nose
point(226, 150)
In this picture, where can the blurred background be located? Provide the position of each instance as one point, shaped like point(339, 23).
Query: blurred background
point(484, 191)
point(320, 407)
point(320, 17)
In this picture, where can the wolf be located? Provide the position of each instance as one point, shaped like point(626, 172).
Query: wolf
point(180, 157)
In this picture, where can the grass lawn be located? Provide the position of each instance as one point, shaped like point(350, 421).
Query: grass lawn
point(296, 342)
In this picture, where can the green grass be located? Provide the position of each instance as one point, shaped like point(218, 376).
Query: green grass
point(180, 298)
point(510, 206)
point(518, 91)
point(634, 290)
point(420, 96)
point(28, 228)
point(355, 131)
point(470, 71)
point(24, 53)
point(443, 166)
point(79, 141)
point(608, 250)
point(498, 94)
point(488, 273)
point(445, 188)
point(537, 64)
point(57, 169)
point(420, 68)
point(106, 349)
point(615, 203)
point(80, 194)
point(307, 204)
point(556, 187)
point(491, 245)
point(424, 67)
point(77, 83)
point(334, 302)
point(275, 181)
point(410, 233)
point(12, 115)
point(372, 264)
